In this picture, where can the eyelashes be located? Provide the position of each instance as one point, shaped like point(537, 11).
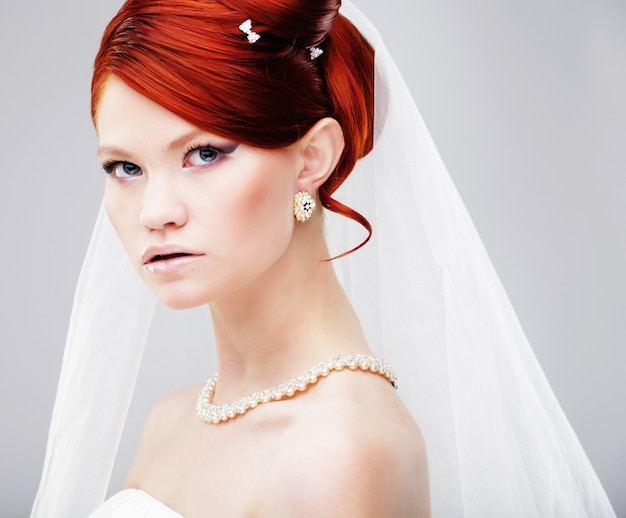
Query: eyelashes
point(196, 156)
point(121, 169)
point(225, 149)
point(199, 156)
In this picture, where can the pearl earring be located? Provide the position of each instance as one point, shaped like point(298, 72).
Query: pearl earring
point(303, 206)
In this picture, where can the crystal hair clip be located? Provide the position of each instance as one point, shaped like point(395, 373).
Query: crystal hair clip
point(315, 52)
point(246, 28)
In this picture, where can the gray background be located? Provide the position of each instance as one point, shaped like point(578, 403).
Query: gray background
point(525, 101)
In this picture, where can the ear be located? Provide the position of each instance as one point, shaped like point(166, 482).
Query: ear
point(321, 148)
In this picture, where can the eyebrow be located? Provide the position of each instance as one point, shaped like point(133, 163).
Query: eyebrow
point(174, 144)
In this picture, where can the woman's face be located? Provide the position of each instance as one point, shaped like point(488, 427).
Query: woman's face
point(199, 216)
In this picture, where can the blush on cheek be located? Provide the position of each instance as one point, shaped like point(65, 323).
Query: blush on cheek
point(264, 214)
point(264, 200)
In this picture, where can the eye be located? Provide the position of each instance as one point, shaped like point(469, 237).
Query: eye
point(122, 169)
point(200, 156)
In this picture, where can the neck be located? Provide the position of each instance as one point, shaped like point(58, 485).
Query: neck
point(292, 317)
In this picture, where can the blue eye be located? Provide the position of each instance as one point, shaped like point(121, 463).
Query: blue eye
point(122, 169)
point(201, 156)
point(207, 154)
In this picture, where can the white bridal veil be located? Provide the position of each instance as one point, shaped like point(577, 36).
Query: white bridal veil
point(431, 304)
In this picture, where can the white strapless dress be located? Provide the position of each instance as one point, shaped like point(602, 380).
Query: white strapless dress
point(133, 503)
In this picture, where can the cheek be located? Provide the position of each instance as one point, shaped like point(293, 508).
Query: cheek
point(121, 215)
point(260, 212)
point(263, 200)
point(112, 206)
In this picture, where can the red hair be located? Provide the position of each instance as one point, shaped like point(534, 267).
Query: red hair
point(190, 57)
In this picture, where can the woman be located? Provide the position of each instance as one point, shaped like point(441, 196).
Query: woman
point(218, 232)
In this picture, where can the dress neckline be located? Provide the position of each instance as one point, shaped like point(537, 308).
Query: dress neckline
point(123, 500)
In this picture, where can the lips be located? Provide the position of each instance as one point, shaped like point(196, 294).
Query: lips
point(165, 257)
point(168, 259)
point(165, 253)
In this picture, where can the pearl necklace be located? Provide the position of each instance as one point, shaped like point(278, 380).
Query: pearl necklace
point(215, 414)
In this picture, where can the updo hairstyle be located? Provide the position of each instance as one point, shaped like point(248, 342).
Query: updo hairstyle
point(191, 58)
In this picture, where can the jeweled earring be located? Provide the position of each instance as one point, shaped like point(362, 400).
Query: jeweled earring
point(303, 206)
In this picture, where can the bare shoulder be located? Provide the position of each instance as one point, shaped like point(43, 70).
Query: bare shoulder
point(168, 413)
point(356, 451)
point(161, 430)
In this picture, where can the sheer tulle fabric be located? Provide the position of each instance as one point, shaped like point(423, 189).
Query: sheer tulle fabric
point(431, 304)
point(110, 320)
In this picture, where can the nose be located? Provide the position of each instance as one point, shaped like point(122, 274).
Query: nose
point(162, 205)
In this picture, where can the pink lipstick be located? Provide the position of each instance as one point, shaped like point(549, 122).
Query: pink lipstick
point(168, 258)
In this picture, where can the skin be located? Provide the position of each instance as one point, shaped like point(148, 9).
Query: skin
point(345, 447)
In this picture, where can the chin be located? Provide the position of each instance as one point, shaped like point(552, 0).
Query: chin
point(180, 303)
point(178, 297)
point(182, 299)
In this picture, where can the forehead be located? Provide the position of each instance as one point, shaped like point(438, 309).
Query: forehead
point(124, 115)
